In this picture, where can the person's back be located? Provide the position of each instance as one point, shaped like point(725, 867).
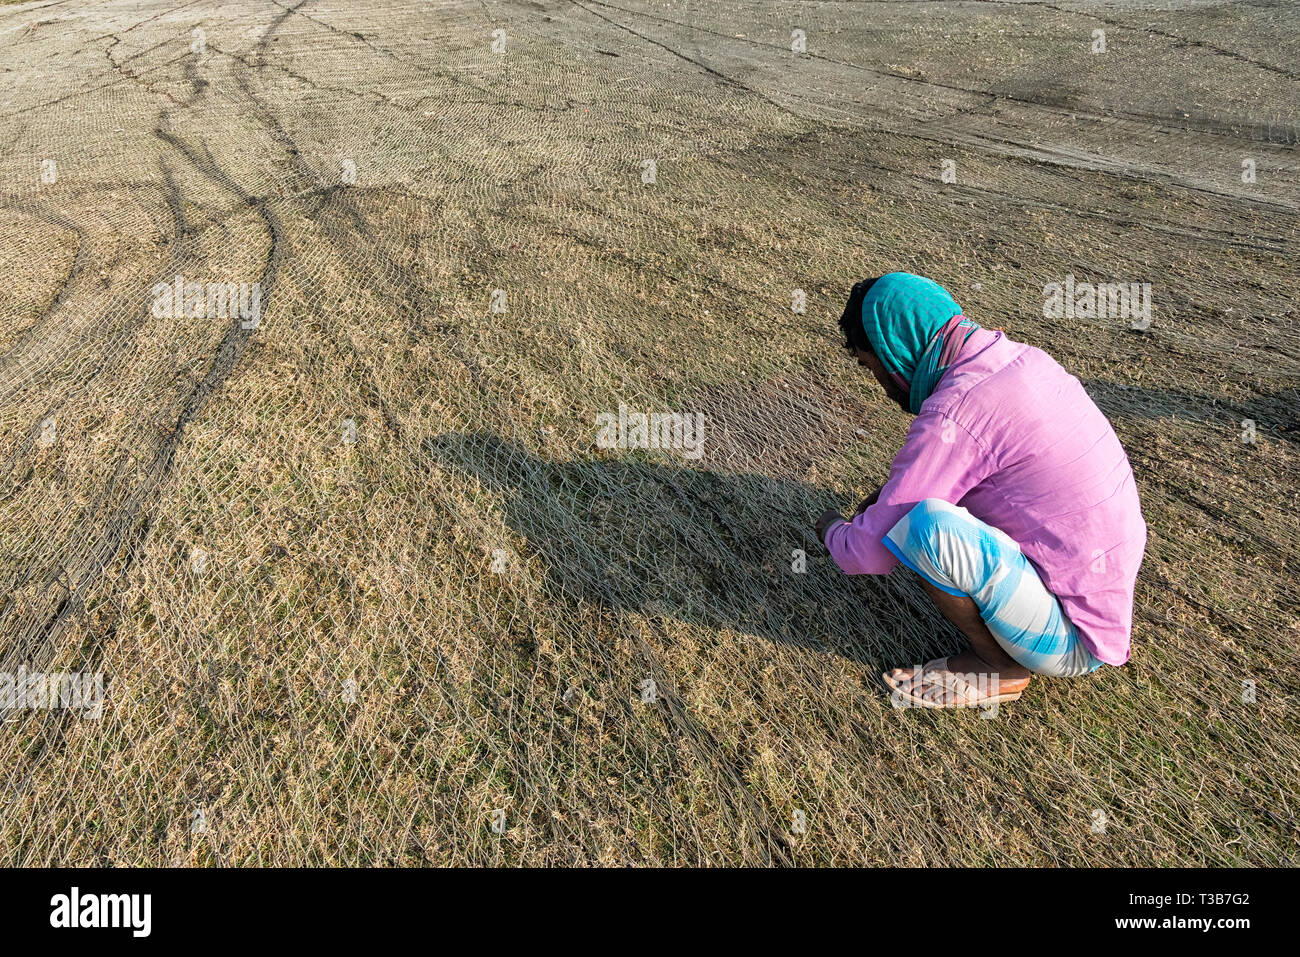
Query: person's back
point(1060, 486)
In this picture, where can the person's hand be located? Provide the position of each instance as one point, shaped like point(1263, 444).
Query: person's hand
point(827, 519)
point(867, 502)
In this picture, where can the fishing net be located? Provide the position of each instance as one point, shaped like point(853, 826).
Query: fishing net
point(334, 525)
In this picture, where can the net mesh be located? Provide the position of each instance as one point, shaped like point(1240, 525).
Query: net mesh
point(363, 587)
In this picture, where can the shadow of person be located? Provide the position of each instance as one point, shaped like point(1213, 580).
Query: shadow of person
point(733, 551)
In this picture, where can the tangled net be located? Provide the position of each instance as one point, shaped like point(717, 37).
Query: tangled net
point(361, 583)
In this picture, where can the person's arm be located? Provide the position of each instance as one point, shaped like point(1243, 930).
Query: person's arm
point(940, 459)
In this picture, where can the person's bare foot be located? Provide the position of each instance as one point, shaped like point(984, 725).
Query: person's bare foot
point(964, 680)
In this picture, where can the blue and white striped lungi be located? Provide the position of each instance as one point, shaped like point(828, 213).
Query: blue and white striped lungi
point(955, 552)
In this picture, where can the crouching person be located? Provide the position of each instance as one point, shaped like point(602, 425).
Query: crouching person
point(1011, 499)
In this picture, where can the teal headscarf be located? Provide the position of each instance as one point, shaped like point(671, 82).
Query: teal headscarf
point(908, 320)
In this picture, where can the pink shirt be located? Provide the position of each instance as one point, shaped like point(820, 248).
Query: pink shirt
point(1014, 438)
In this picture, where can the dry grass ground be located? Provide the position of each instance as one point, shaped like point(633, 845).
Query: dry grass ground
point(327, 646)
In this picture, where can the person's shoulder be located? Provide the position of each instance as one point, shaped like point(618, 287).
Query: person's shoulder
point(1011, 366)
point(970, 380)
point(993, 385)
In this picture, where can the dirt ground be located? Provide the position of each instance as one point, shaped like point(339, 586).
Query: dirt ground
point(363, 588)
